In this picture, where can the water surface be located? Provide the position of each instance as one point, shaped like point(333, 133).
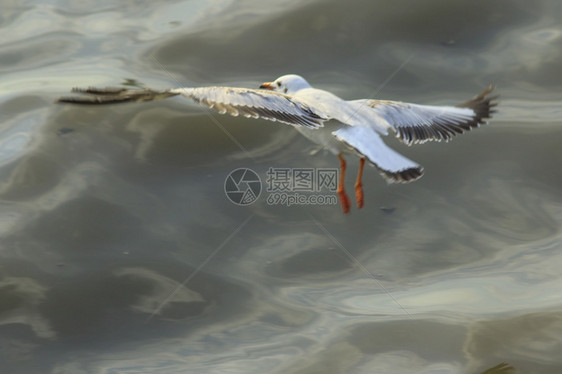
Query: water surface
point(120, 252)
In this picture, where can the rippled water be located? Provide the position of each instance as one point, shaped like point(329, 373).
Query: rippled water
point(120, 252)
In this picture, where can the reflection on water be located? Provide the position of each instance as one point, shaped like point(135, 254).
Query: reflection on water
point(120, 252)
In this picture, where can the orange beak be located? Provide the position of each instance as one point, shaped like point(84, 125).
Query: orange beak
point(267, 86)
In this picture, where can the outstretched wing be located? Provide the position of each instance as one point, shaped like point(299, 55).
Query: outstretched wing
point(393, 166)
point(415, 123)
point(264, 104)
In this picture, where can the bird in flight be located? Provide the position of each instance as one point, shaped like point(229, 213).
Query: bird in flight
point(342, 127)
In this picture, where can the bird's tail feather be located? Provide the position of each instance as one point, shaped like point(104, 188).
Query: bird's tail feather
point(113, 95)
point(394, 167)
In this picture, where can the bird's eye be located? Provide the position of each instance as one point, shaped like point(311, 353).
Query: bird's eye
point(278, 84)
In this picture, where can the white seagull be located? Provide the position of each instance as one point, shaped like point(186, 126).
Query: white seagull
point(340, 126)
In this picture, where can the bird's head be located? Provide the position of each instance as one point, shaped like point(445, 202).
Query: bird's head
point(287, 84)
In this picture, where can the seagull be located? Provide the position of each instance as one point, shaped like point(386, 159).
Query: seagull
point(340, 126)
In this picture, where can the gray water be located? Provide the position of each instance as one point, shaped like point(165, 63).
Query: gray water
point(121, 253)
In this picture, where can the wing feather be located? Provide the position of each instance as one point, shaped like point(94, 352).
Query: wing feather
point(264, 104)
point(414, 123)
point(250, 103)
point(113, 95)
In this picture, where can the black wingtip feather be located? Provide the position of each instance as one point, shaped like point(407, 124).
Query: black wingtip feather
point(482, 104)
point(112, 95)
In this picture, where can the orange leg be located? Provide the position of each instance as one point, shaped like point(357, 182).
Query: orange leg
point(359, 184)
point(344, 200)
